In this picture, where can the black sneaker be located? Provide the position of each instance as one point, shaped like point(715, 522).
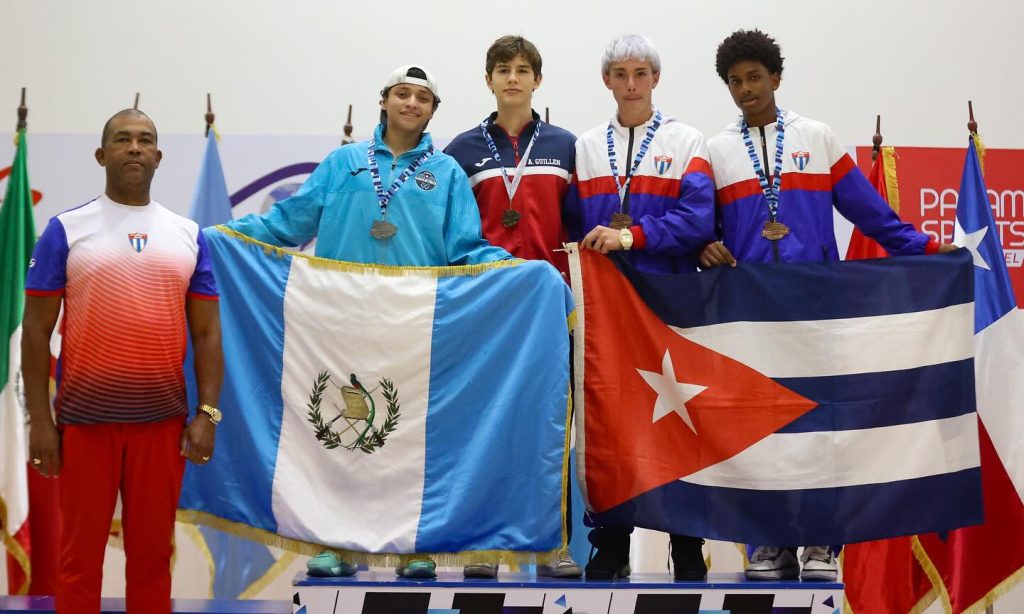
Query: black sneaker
point(688, 558)
point(612, 558)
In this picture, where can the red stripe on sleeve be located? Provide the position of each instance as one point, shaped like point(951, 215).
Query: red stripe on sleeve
point(203, 297)
point(842, 166)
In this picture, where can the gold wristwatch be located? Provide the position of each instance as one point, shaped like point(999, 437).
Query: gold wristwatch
point(214, 413)
point(626, 239)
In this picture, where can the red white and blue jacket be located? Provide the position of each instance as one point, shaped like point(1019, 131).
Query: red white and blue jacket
point(671, 195)
point(541, 190)
point(817, 174)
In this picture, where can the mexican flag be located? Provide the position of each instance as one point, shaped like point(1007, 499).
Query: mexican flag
point(17, 238)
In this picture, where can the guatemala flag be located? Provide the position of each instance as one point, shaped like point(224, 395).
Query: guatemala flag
point(387, 410)
point(781, 404)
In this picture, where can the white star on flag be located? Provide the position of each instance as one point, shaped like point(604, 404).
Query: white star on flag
point(672, 394)
point(971, 241)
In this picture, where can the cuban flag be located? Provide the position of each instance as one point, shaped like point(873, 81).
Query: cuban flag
point(387, 410)
point(781, 404)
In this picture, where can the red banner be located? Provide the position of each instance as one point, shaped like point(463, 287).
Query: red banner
point(929, 178)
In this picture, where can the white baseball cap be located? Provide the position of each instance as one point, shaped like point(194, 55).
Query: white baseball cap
point(401, 75)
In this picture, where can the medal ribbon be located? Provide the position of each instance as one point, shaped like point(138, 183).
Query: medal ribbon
point(771, 193)
point(511, 186)
point(624, 188)
point(385, 197)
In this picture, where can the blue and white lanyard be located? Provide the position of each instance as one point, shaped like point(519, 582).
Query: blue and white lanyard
point(771, 193)
point(511, 186)
point(385, 197)
point(624, 188)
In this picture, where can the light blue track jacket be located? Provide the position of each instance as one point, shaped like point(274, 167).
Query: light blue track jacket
point(437, 217)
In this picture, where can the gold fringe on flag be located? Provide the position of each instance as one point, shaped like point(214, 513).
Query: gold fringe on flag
point(379, 269)
point(980, 146)
point(892, 184)
point(386, 559)
point(933, 574)
point(16, 551)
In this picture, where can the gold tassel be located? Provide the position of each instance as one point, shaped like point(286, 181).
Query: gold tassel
point(980, 146)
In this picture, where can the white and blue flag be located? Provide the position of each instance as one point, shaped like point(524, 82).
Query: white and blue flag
point(388, 410)
point(998, 324)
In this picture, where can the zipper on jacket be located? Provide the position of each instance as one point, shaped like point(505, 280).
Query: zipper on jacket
point(768, 177)
point(515, 148)
point(628, 167)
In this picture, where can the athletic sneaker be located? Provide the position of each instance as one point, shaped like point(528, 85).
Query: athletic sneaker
point(328, 564)
point(421, 568)
point(771, 563)
point(564, 567)
point(819, 564)
point(480, 570)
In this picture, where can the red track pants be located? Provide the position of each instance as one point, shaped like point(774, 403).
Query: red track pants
point(141, 460)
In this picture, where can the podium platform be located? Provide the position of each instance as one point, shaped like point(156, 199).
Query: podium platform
point(381, 592)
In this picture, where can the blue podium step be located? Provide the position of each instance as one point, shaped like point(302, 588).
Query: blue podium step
point(23, 605)
point(380, 592)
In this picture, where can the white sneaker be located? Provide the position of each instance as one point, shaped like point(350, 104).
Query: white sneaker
point(565, 567)
point(819, 564)
point(771, 563)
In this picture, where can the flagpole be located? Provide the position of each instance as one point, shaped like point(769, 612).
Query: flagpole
point(547, 115)
point(876, 141)
point(22, 113)
point(345, 140)
point(209, 114)
point(136, 107)
point(972, 127)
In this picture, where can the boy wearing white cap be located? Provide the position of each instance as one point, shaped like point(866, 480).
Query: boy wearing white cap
point(390, 200)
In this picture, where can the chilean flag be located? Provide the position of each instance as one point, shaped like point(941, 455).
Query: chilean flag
point(780, 404)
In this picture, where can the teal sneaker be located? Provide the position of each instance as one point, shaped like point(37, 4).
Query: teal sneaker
point(417, 568)
point(328, 564)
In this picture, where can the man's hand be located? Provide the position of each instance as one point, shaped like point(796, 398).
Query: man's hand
point(44, 447)
point(602, 239)
point(716, 254)
point(945, 248)
point(197, 439)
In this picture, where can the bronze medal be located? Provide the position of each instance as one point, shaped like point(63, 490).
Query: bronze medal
point(383, 229)
point(773, 231)
point(620, 221)
point(510, 218)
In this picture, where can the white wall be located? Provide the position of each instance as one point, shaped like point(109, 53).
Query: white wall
point(293, 67)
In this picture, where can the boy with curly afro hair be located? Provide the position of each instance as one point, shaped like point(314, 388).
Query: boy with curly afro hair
point(777, 178)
